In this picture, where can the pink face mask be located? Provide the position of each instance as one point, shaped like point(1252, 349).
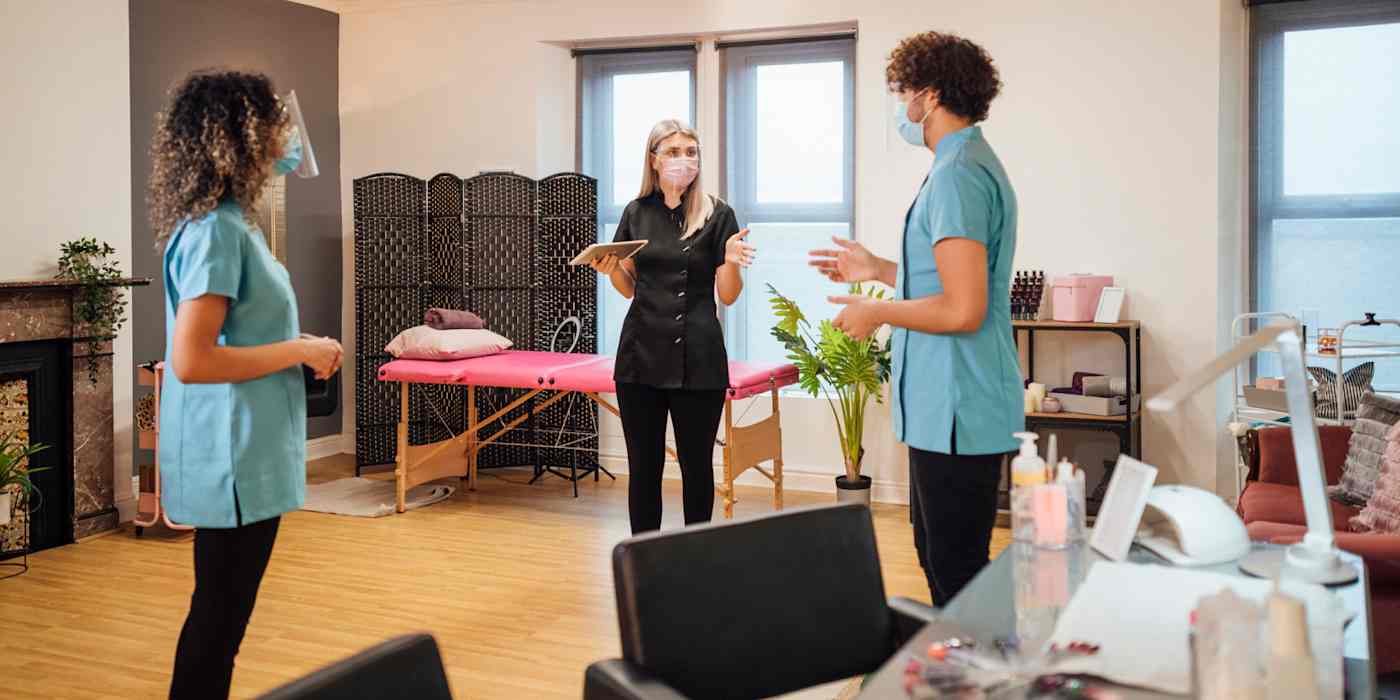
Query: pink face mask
point(680, 172)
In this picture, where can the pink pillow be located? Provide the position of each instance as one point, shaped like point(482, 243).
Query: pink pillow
point(425, 343)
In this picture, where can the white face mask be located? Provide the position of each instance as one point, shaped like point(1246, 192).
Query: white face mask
point(292, 156)
point(679, 172)
point(911, 131)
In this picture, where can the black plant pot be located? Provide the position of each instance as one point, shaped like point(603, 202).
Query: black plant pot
point(857, 491)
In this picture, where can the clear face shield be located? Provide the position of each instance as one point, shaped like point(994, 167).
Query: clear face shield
point(300, 158)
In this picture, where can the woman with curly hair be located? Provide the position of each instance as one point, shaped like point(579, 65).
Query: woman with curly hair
point(957, 391)
point(233, 418)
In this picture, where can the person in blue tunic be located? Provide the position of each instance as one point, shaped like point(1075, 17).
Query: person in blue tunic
point(233, 408)
point(956, 386)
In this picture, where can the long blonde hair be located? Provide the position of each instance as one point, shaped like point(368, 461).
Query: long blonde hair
point(698, 206)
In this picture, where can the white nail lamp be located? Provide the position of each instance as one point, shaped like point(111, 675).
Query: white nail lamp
point(1316, 558)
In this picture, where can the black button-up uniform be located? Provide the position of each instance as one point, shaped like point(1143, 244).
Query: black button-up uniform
point(671, 338)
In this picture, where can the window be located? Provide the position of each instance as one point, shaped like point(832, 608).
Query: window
point(1326, 167)
point(623, 94)
point(789, 174)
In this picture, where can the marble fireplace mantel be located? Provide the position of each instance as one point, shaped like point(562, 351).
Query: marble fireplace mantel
point(38, 310)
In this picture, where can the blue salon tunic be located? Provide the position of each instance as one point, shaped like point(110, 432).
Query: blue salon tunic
point(970, 381)
point(232, 454)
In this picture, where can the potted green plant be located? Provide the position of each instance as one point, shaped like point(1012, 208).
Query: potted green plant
point(15, 472)
point(100, 304)
point(850, 371)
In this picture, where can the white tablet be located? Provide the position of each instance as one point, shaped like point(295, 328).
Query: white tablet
point(623, 250)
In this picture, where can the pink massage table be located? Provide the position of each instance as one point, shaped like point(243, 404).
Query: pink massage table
point(561, 374)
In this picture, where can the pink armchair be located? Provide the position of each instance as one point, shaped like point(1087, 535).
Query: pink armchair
point(1272, 508)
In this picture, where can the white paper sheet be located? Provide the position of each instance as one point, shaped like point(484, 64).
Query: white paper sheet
point(1139, 615)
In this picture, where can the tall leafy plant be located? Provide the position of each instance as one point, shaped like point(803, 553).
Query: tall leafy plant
point(100, 304)
point(850, 371)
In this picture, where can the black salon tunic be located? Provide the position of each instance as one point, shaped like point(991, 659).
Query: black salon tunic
point(671, 338)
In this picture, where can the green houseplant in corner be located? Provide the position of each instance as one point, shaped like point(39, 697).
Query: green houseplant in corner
point(850, 372)
point(15, 472)
point(100, 305)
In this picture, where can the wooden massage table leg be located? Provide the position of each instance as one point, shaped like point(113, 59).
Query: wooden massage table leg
point(472, 449)
point(401, 459)
point(419, 464)
point(727, 487)
point(778, 459)
point(748, 446)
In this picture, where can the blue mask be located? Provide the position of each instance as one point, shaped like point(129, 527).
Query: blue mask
point(912, 132)
point(291, 156)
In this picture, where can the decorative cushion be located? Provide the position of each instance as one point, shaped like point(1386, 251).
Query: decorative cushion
point(1384, 409)
point(1382, 511)
point(1355, 382)
point(1362, 467)
point(425, 343)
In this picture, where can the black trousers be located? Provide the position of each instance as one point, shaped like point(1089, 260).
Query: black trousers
point(695, 417)
point(953, 501)
point(228, 567)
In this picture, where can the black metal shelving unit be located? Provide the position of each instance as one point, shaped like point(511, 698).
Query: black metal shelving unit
point(1127, 428)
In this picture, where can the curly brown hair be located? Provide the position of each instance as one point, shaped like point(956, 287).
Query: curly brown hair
point(217, 139)
point(960, 71)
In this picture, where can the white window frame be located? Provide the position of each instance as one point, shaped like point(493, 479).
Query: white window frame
point(1268, 25)
point(738, 97)
point(596, 70)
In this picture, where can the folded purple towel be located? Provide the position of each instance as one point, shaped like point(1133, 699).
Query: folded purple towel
point(452, 319)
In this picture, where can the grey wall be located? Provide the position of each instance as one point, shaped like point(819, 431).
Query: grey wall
point(299, 48)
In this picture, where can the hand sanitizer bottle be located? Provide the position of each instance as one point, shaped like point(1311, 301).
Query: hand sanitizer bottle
point(1027, 473)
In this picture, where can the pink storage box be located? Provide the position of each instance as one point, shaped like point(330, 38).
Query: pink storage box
point(1076, 297)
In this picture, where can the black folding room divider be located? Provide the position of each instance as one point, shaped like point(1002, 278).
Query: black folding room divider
point(498, 245)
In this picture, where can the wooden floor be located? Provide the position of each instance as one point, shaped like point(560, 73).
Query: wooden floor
point(513, 580)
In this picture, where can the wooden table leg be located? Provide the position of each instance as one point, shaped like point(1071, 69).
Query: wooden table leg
point(778, 461)
point(401, 464)
point(472, 450)
point(728, 488)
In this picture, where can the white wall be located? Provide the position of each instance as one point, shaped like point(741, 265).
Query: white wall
point(65, 141)
point(1110, 125)
point(1234, 271)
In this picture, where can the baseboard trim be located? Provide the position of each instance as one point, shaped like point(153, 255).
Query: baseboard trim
point(794, 479)
point(327, 446)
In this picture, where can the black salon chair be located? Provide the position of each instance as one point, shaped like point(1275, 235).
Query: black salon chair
point(752, 608)
point(403, 667)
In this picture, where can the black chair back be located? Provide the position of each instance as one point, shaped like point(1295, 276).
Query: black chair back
point(755, 608)
point(403, 667)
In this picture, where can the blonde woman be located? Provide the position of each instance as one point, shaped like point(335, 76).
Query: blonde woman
point(670, 357)
point(233, 418)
